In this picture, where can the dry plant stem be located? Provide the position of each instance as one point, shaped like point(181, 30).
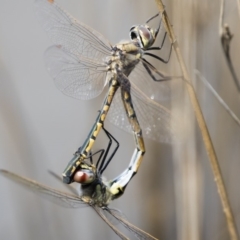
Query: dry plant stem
point(202, 125)
point(226, 37)
point(238, 3)
point(221, 16)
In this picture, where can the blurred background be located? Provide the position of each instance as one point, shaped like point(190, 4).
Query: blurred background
point(174, 195)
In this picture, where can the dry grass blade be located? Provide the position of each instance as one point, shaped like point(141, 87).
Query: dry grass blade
point(238, 3)
point(203, 127)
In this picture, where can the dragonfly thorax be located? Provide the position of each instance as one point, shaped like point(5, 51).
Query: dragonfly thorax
point(97, 191)
point(102, 196)
point(125, 56)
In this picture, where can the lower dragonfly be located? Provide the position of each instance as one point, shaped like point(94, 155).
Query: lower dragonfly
point(95, 192)
point(83, 62)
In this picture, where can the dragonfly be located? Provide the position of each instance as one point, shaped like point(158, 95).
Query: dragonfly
point(95, 192)
point(83, 63)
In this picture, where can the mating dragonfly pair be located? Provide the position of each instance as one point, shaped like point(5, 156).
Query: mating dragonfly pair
point(82, 63)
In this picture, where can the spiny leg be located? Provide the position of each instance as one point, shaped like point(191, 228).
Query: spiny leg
point(158, 48)
point(159, 58)
point(110, 136)
point(151, 18)
point(159, 25)
point(150, 68)
point(101, 151)
point(106, 151)
point(83, 152)
point(119, 184)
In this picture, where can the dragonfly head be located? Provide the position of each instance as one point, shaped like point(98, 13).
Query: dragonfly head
point(84, 176)
point(143, 34)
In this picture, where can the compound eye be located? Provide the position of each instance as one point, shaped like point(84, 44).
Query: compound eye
point(144, 32)
point(84, 176)
point(146, 36)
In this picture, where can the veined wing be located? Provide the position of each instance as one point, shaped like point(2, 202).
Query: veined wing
point(108, 215)
point(73, 201)
point(137, 232)
point(73, 36)
point(75, 76)
point(156, 120)
point(77, 61)
point(61, 198)
point(102, 214)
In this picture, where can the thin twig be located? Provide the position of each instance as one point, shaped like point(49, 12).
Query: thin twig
point(203, 127)
point(226, 37)
point(238, 3)
point(221, 101)
point(221, 17)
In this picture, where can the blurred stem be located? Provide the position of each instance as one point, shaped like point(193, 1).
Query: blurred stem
point(203, 127)
point(221, 16)
point(238, 3)
point(226, 37)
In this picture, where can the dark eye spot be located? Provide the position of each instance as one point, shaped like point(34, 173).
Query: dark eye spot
point(133, 35)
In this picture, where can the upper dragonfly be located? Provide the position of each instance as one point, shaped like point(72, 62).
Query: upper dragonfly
point(83, 62)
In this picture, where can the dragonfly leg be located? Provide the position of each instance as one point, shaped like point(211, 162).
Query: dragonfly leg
point(157, 57)
point(119, 184)
point(83, 152)
point(110, 136)
point(151, 18)
point(101, 160)
point(161, 45)
point(150, 69)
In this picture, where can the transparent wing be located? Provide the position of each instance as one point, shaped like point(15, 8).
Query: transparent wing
point(77, 77)
point(73, 36)
point(77, 63)
point(59, 197)
point(156, 121)
point(103, 214)
point(139, 234)
point(73, 201)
